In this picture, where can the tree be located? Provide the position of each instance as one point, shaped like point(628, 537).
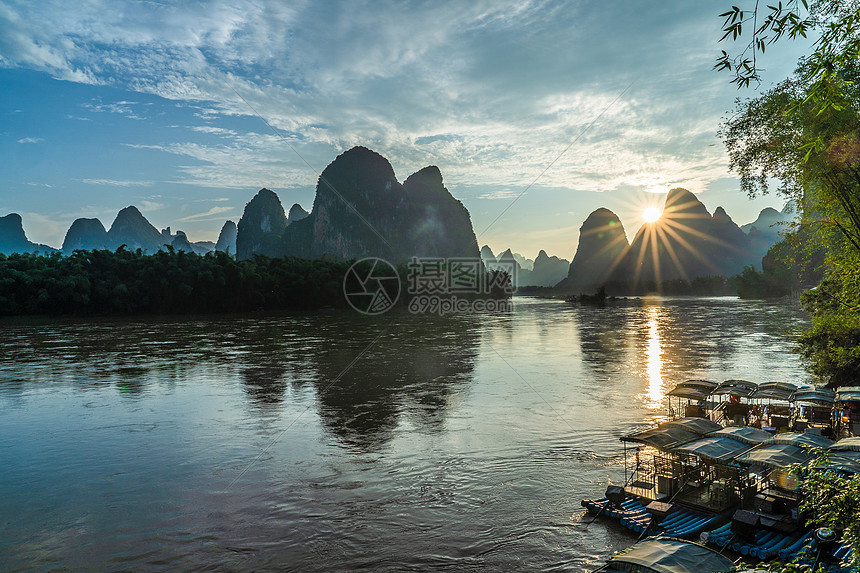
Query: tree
point(805, 133)
point(838, 45)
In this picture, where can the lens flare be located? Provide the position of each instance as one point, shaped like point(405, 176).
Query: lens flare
point(651, 214)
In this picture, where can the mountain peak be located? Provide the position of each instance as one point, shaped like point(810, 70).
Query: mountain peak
point(132, 229)
point(679, 200)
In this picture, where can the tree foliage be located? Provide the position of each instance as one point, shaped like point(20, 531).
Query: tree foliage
point(167, 282)
point(836, 23)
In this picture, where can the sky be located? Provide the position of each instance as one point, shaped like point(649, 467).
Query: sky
point(536, 112)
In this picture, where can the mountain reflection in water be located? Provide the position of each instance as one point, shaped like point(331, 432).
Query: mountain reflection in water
point(334, 441)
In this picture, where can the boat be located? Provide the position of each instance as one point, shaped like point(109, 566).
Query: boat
point(848, 411)
point(680, 483)
point(712, 476)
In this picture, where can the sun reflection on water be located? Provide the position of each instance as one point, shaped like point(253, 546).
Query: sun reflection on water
point(654, 360)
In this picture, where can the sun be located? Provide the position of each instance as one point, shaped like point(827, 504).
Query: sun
point(651, 214)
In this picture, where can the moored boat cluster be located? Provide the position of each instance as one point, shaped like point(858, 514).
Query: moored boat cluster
point(724, 475)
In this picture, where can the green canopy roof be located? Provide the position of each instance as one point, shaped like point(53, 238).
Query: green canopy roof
point(717, 449)
point(689, 392)
point(669, 555)
point(798, 439)
point(820, 396)
point(673, 433)
point(775, 391)
point(745, 434)
point(662, 438)
point(847, 444)
point(775, 456)
point(700, 426)
point(740, 388)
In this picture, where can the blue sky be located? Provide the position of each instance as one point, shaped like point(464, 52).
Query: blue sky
point(106, 104)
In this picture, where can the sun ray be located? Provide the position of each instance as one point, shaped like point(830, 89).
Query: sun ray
point(691, 249)
point(655, 253)
point(672, 255)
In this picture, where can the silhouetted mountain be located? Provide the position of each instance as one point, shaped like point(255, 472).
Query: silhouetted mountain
point(227, 238)
point(360, 210)
point(764, 232)
point(261, 228)
point(602, 246)
point(768, 220)
point(686, 242)
point(180, 242)
point(131, 228)
point(487, 255)
point(14, 240)
point(547, 271)
point(296, 213)
point(526, 264)
point(85, 235)
point(203, 247)
point(506, 262)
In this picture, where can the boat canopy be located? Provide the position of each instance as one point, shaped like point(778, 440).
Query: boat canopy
point(716, 449)
point(703, 384)
point(778, 456)
point(699, 426)
point(801, 440)
point(775, 391)
point(669, 555)
point(662, 438)
point(745, 434)
point(819, 396)
point(689, 392)
point(674, 433)
point(851, 444)
point(845, 460)
point(739, 388)
point(848, 394)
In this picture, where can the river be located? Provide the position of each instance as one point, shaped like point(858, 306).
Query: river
point(336, 442)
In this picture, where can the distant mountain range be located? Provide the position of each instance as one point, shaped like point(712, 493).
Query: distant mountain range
point(130, 228)
point(684, 243)
point(544, 271)
point(361, 210)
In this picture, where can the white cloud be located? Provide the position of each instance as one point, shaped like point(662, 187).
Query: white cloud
point(491, 91)
point(30, 140)
point(208, 215)
point(117, 183)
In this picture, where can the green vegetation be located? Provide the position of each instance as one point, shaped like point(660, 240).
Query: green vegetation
point(167, 282)
point(805, 133)
point(127, 282)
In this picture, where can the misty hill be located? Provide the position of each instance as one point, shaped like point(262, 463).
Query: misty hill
point(769, 219)
point(296, 213)
point(227, 238)
point(545, 270)
point(14, 240)
point(765, 230)
point(132, 229)
point(360, 210)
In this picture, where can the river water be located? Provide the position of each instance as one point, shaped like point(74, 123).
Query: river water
point(336, 442)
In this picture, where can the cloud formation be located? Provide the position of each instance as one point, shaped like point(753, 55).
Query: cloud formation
point(491, 91)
